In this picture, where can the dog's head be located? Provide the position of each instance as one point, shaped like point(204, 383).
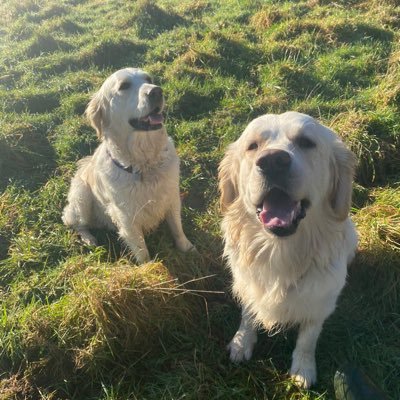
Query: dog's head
point(127, 101)
point(284, 167)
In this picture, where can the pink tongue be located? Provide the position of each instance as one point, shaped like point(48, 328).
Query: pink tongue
point(278, 210)
point(156, 119)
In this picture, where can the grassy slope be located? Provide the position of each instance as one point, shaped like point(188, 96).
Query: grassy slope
point(82, 323)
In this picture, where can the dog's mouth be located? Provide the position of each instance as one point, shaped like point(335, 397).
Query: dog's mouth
point(151, 122)
point(280, 214)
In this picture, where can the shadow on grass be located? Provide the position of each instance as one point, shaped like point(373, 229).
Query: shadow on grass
point(303, 84)
point(46, 44)
point(4, 245)
point(237, 59)
point(106, 53)
point(33, 103)
point(192, 104)
point(30, 161)
point(230, 58)
point(48, 12)
point(365, 325)
point(348, 33)
point(68, 27)
point(151, 20)
point(113, 53)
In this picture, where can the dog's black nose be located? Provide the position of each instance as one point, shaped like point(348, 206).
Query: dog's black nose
point(155, 93)
point(274, 161)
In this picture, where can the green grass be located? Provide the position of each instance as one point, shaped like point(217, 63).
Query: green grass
point(84, 323)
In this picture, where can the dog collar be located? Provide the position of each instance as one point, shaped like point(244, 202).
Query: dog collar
point(128, 169)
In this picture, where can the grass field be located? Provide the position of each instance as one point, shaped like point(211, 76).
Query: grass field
point(85, 323)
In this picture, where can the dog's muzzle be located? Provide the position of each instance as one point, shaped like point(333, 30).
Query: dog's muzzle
point(154, 120)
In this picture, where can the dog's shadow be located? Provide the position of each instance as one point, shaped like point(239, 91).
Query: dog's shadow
point(362, 329)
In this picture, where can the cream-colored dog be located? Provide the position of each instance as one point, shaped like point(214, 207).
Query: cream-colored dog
point(286, 188)
point(131, 183)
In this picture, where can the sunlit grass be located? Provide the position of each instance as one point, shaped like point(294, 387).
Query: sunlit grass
point(79, 322)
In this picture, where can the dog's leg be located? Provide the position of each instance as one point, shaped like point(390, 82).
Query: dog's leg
point(303, 369)
point(242, 344)
point(173, 219)
point(134, 238)
point(77, 213)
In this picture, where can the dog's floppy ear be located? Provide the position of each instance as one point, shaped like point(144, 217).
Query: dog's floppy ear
point(343, 166)
point(95, 112)
point(228, 178)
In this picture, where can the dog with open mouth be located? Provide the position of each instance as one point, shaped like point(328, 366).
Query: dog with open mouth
point(131, 182)
point(286, 187)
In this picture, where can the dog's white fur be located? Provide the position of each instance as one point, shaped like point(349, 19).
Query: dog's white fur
point(104, 195)
point(292, 280)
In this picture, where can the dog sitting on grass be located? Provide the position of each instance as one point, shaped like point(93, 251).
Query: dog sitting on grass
point(131, 182)
point(286, 188)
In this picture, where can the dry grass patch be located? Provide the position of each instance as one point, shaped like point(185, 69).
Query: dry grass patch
point(111, 316)
point(376, 153)
point(266, 17)
point(379, 225)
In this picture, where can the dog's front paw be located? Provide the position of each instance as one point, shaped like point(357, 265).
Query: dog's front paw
point(141, 256)
point(241, 347)
point(185, 245)
point(87, 238)
point(303, 371)
point(193, 250)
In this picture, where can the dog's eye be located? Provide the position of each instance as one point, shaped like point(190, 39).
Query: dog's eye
point(124, 85)
point(304, 142)
point(253, 146)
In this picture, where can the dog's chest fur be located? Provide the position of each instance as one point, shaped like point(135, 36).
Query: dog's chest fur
point(280, 284)
point(141, 197)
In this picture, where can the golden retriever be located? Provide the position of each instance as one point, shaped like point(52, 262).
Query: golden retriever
point(131, 182)
point(286, 188)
